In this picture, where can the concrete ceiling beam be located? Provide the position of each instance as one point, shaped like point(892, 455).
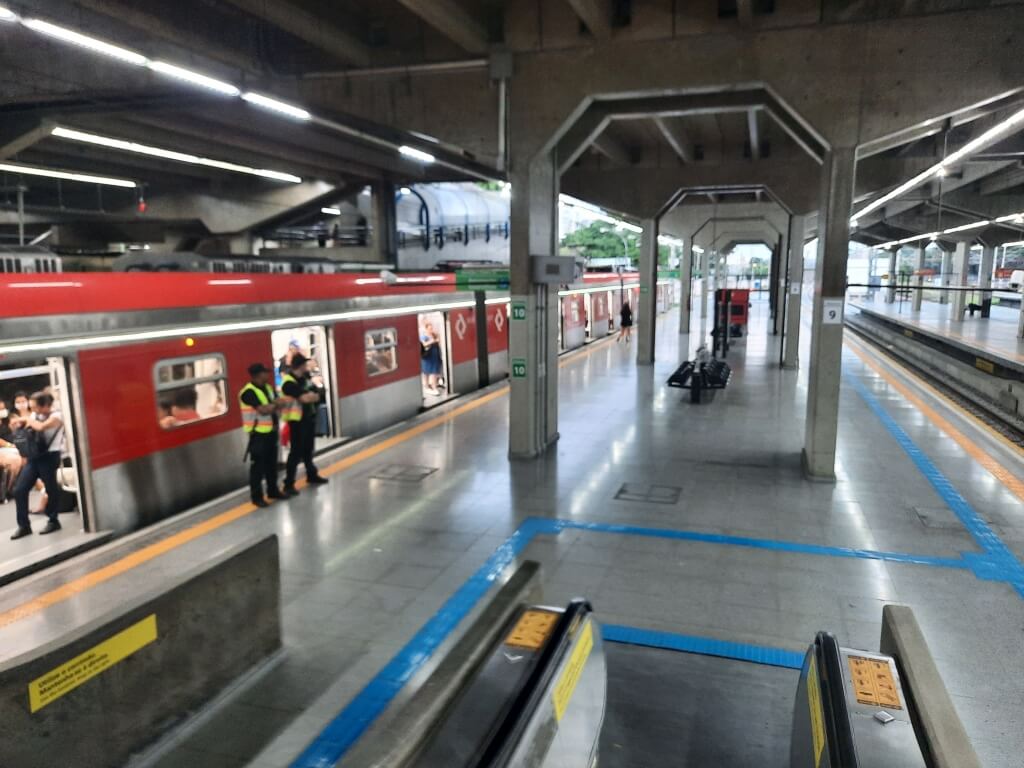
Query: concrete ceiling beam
point(676, 138)
point(451, 20)
point(311, 28)
point(18, 135)
point(997, 183)
point(160, 27)
point(754, 134)
point(613, 149)
point(596, 15)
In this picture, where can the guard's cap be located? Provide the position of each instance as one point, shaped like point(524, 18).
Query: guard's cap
point(257, 368)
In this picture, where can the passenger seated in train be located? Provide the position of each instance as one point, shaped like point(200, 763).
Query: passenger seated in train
point(183, 405)
point(11, 460)
point(163, 414)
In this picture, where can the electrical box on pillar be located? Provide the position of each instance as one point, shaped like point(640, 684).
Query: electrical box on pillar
point(552, 270)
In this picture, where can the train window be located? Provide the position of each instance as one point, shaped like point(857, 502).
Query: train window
point(190, 389)
point(381, 351)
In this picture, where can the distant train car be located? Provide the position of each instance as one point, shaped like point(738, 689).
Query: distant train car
point(147, 367)
point(28, 259)
point(189, 261)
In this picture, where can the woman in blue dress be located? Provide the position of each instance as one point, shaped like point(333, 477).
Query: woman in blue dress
point(430, 357)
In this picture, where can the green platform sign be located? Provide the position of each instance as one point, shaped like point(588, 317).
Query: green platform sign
point(518, 310)
point(518, 368)
point(481, 279)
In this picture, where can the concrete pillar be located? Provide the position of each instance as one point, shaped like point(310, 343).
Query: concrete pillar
point(871, 273)
point(533, 340)
point(946, 269)
point(988, 263)
point(960, 264)
point(385, 222)
point(825, 370)
point(890, 295)
point(647, 311)
point(919, 279)
point(791, 349)
point(705, 265)
point(774, 272)
point(685, 284)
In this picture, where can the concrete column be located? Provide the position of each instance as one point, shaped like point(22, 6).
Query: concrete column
point(385, 222)
point(960, 264)
point(946, 269)
point(988, 263)
point(825, 370)
point(890, 295)
point(533, 341)
point(791, 349)
point(705, 265)
point(685, 284)
point(647, 311)
point(774, 271)
point(871, 273)
point(919, 280)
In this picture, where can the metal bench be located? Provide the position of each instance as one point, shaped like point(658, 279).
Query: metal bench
point(697, 376)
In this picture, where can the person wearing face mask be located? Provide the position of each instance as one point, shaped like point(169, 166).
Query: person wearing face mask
point(45, 427)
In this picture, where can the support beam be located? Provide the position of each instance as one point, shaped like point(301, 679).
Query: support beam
point(919, 279)
point(450, 19)
point(825, 370)
point(946, 274)
point(613, 149)
point(988, 262)
point(685, 284)
point(997, 183)
point(309, 27)
point(705, 264)
point(791, 348)
point(676, 138)
point(533, 342)
point(960, 262)
point(647, 311)
point(745, 12)
point(385, 222)
point(596, 15)
point(754, 133)
point(890, 294)
point(14, 138)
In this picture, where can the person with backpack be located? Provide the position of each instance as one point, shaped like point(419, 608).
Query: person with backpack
point(625, 322)
point(43, 432)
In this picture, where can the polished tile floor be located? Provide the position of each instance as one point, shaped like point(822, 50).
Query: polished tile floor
point(368, 560)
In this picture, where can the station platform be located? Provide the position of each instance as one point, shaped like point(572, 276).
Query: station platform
point(689, 523)
point(994, 337)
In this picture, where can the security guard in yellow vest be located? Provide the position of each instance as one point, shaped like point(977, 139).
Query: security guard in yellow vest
point(259, 403)
point(299, 410)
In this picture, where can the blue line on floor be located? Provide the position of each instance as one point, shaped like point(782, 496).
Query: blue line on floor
point(342, 732)
point(705, 646)
point(743, 541)
point(998, 563)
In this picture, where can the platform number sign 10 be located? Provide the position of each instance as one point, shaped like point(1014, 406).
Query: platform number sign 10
point(518, 368)
point(518, 310)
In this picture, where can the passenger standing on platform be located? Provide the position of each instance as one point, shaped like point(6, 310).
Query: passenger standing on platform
point(46, 442)
point(430, 357)
point(258, 401)
point(625, 322)
point(299, 411)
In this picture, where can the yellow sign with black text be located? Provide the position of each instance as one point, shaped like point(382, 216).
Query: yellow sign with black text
point(817, 714)
point(570, 678)
point(71, 674)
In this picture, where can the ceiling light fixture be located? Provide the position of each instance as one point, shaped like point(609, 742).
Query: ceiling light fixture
point(277, 106)
point(915, 238)
point(195, 78)
point(167, 154)
point(84, 41)
point(416, 154)
point(6, 14)
point(50, 173)
point(331, 211)
point(405, 191)
point(965, 227)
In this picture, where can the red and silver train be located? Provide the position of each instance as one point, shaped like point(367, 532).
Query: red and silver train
point(147, 366)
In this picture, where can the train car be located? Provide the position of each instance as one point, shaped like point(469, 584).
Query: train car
point(190, 261)
point(28, 259)
point(147, 367)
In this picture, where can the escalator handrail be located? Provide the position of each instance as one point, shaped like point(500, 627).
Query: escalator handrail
point(508, 732)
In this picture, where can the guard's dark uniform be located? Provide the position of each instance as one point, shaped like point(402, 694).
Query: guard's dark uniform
point(261, 429)
point(301, 418)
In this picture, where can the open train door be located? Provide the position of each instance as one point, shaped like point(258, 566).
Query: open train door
point(70, 475)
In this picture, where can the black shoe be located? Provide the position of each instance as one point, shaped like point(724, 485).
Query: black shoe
point(276, 495)
point(290, 490)
point(261, 502)
point(26, 531)
point(316, 480)
point(51, 527)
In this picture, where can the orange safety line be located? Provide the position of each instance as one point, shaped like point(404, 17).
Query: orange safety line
point(1010, 481)
point(140, 557)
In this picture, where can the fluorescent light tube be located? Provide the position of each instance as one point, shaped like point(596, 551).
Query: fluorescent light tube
point(194, 77)
point(417, 154)
point(277, 106)
point(168, 154)
point(331, 211)
point(49, 173)
point(965, 227)
point(6, 14)
point(84, 41)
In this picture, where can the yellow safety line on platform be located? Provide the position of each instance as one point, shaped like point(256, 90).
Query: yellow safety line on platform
point(163, 546)
point(1010, 481)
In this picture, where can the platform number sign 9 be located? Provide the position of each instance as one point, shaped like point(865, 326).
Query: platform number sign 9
point(519, 368)
point(832, 312)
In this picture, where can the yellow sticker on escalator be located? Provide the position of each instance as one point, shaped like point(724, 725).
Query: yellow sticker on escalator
point(817, 715)
point(570, 677)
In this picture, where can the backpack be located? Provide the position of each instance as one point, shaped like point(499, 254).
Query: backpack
point(424, 352)
point(32, 444)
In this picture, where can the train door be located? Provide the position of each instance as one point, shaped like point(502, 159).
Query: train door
point(313, 343)
point(435, 357)
point(16, 385)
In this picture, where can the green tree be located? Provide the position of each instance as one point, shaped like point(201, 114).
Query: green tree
point(601, 240)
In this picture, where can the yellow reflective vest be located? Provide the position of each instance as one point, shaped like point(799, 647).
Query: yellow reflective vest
point(253, 420)
point(292, 408)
